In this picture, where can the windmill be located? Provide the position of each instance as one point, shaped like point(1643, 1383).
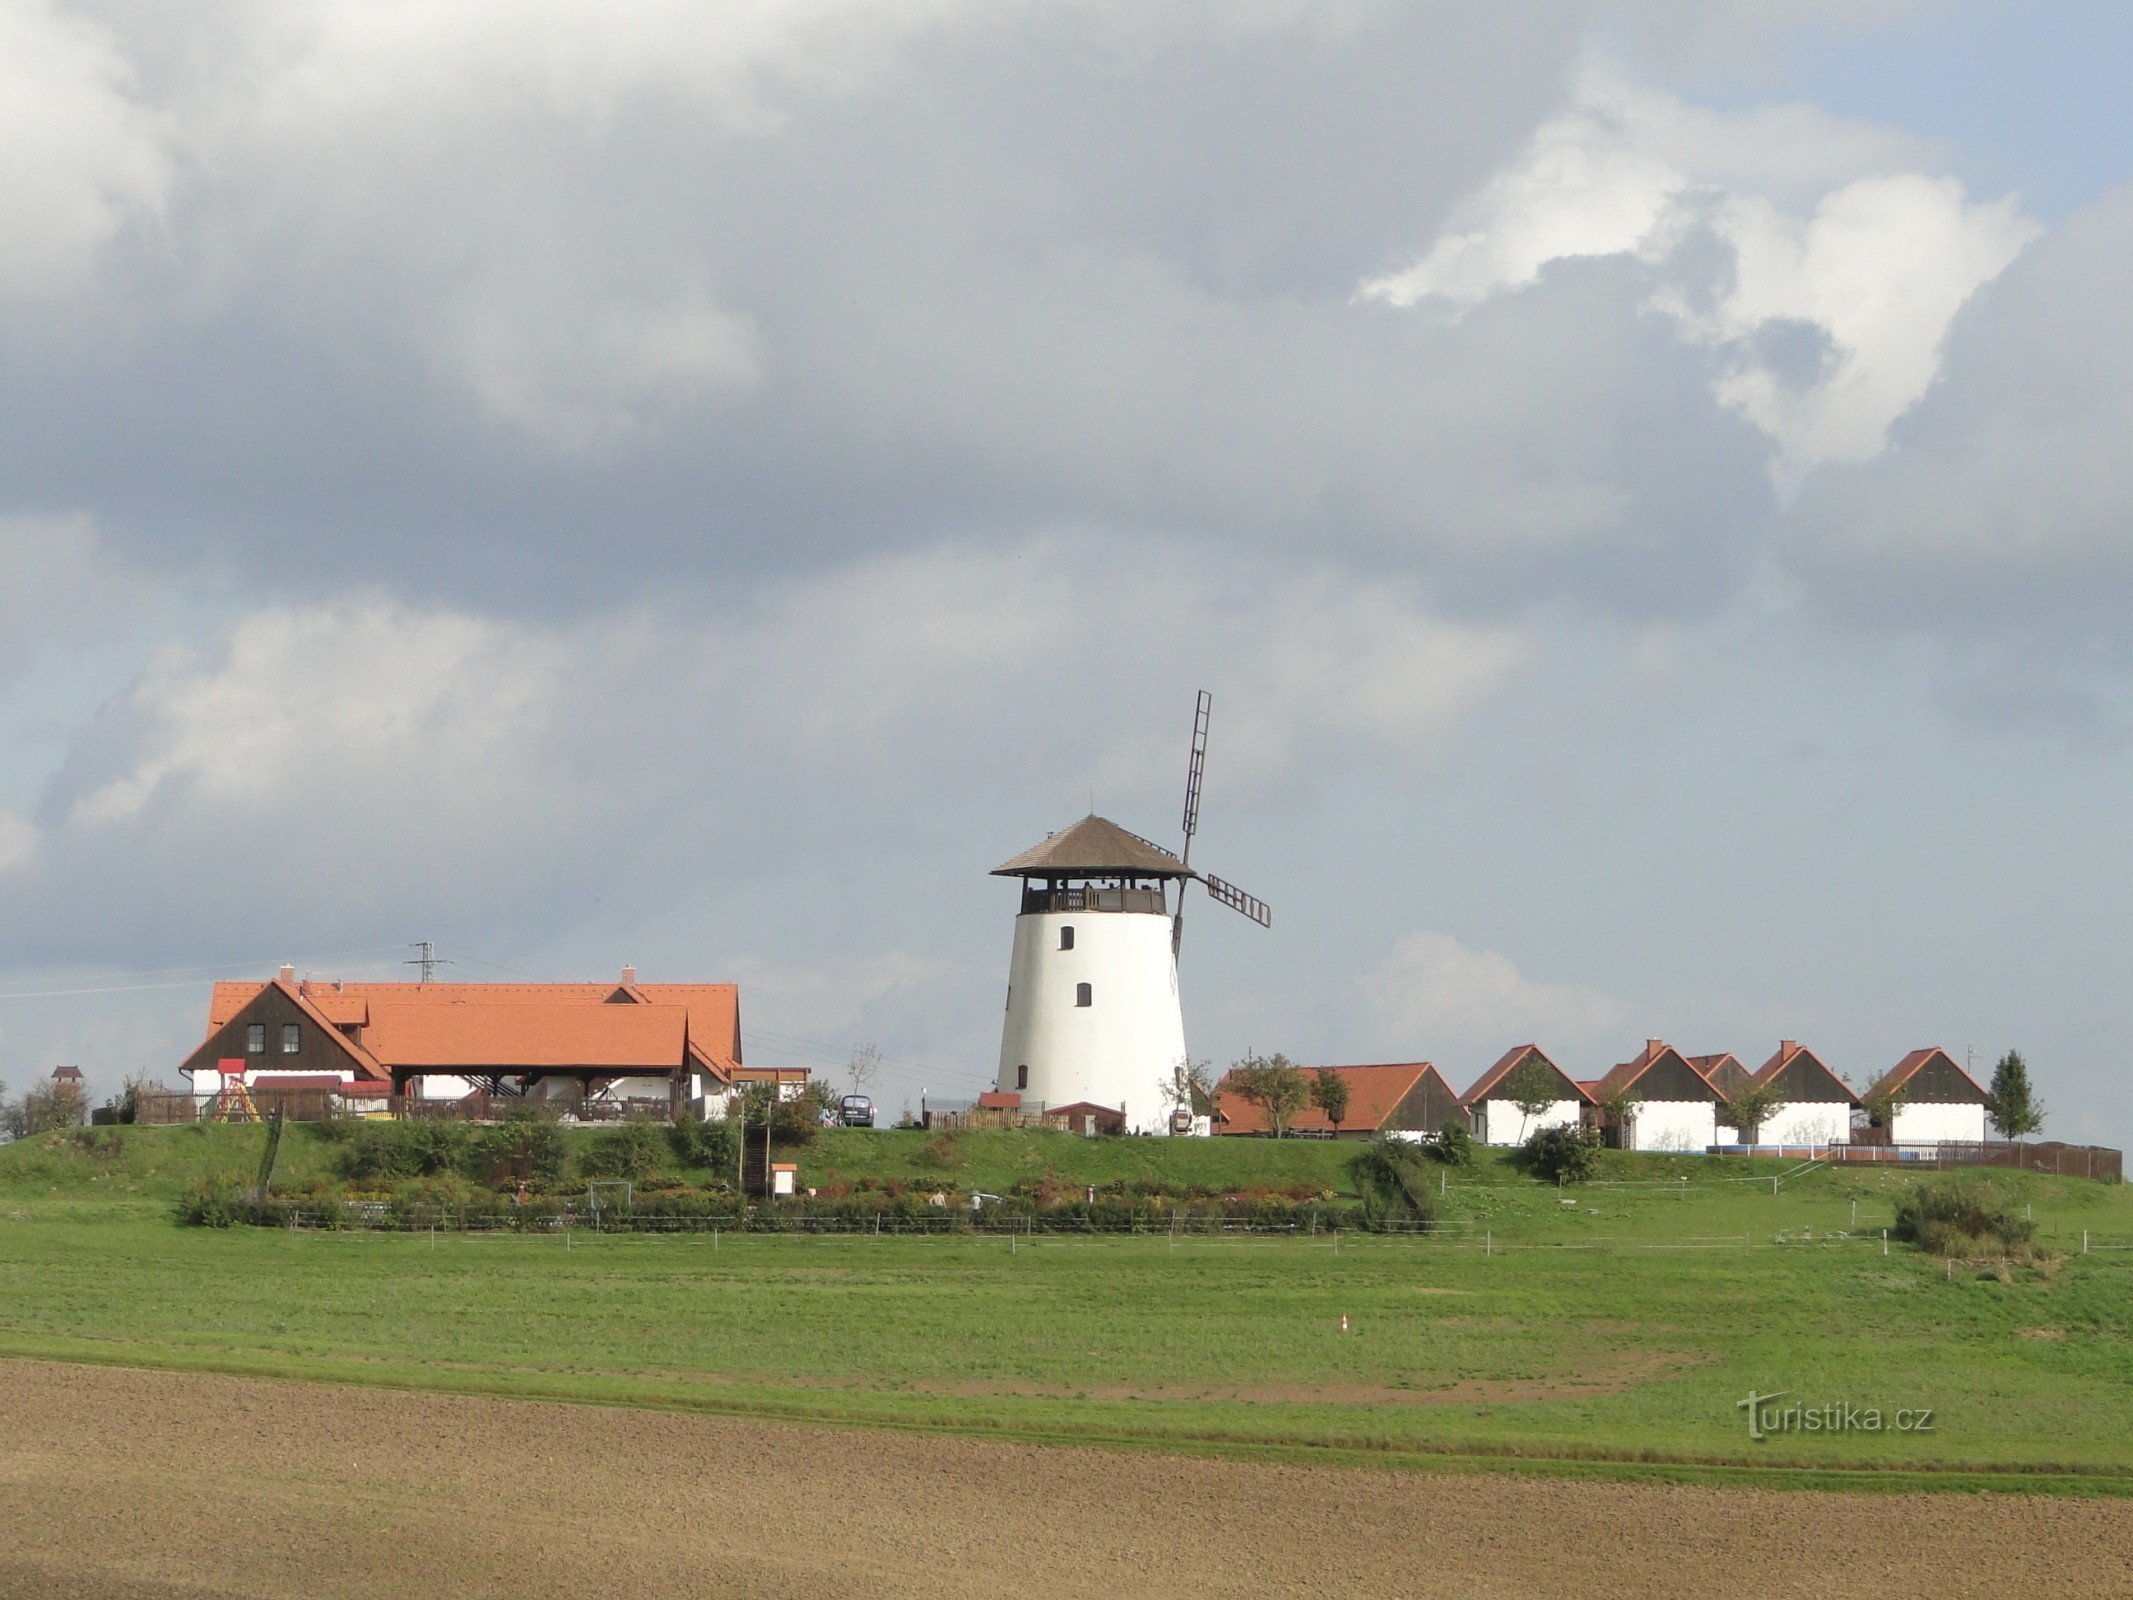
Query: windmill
point(1093, 1019)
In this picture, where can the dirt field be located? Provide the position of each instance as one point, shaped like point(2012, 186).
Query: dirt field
point(124, 1485)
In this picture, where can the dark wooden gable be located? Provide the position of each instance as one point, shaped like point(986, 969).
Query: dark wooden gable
point(1425, 1108)
point(319, 1047)
point(1805, 1080)
point(1670, 1077)
point(1940, 1082)
point(1501, 1089)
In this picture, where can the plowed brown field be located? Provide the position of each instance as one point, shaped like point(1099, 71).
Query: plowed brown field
point(124, 1485)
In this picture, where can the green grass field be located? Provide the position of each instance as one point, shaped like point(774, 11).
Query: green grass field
point(1612, 1335)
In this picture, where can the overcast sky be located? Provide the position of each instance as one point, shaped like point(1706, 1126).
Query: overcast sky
point(1645, 481)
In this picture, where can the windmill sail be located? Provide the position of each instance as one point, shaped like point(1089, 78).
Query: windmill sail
point(1237, 900)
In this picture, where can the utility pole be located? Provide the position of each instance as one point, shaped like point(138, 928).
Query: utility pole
point(428, 962)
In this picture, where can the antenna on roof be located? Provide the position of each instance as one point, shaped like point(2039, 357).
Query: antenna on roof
point(429, 961)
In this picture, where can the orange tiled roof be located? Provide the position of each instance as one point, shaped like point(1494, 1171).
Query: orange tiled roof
point(440, 1025)
point(1374, 1093)
point(410, 1033)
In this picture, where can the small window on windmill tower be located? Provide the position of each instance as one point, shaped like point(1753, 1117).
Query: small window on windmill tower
point(292, 1038)
point(1022, 1076)
point(1084, 994)
point(1066, 938)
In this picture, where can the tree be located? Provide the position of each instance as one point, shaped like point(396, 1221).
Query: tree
point(10, 1117)
point(1189, 1087)
point(1749, 1109)
point(1533, 1089)
point(863, 1068)
point(1881, 1107)
point(1274, 1085)
point(1618, 1108)
point(43, 1107)
point(2014, 1110)
point(1329, 1092)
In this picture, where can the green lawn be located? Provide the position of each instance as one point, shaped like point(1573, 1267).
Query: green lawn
point(1614, 1334)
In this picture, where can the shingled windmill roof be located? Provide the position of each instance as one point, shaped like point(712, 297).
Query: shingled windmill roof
point(1095, 847)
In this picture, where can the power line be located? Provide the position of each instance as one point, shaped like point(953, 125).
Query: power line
point(150, 972)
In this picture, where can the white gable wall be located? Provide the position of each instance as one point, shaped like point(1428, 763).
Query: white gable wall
point(1502, 1123)
point(1674, 1125)
point(1936, 1124)
point(1808, 1122)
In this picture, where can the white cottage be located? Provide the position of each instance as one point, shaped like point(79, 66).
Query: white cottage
point(1936, 1101)
point(1666, 1103)
point(1492, 1103)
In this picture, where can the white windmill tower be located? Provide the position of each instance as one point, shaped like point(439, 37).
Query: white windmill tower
point(1092, 988)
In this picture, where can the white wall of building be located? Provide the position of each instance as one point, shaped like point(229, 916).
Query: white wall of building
point(1119, 1049)
point(1808, 1122)
point(1936, 1124)
point(1679, 1125)
point(1502, 1123)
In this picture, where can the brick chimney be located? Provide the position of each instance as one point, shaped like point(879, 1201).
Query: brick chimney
point(288, 973)
point(1652, 1047)
point(629, 974)
point(1787, 1046)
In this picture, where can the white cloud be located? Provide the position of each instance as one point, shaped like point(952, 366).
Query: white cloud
point(1433, 997)
point(365, 754)
point(1804, 250)
point(2005, 497)
point(80, 157)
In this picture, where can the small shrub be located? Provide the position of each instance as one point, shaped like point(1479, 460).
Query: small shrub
point(1394, 1178)
point(1566, 1153)
point(1454, 1146)
point(712, 1145)
point(1963, 1216)
point(526, 1147)
point(212, 1203)
point(940, 1151)
point(632, 1151)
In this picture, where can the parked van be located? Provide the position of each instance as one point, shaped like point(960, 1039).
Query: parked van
point(856, 1111)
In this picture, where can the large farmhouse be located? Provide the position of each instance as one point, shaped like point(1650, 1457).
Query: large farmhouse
point(1407, 1100)
point(667, 1045)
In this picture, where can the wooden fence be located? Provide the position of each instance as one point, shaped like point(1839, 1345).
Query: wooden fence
point(318, 1105)
point(2060, 1160)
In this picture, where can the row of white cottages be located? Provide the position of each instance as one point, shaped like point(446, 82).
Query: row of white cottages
point(1673, 1101)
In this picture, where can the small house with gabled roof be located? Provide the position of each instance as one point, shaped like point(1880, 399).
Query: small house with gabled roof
point(1494, 1111)
point(1815, 1105)
point(1669, 1104)
point(1402, 1100)
point(1937, 1102)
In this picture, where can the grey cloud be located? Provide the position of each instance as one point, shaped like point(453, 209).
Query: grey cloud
point(453, 326)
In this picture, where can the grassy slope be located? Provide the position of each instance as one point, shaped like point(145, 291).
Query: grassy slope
point(1585, 1331)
